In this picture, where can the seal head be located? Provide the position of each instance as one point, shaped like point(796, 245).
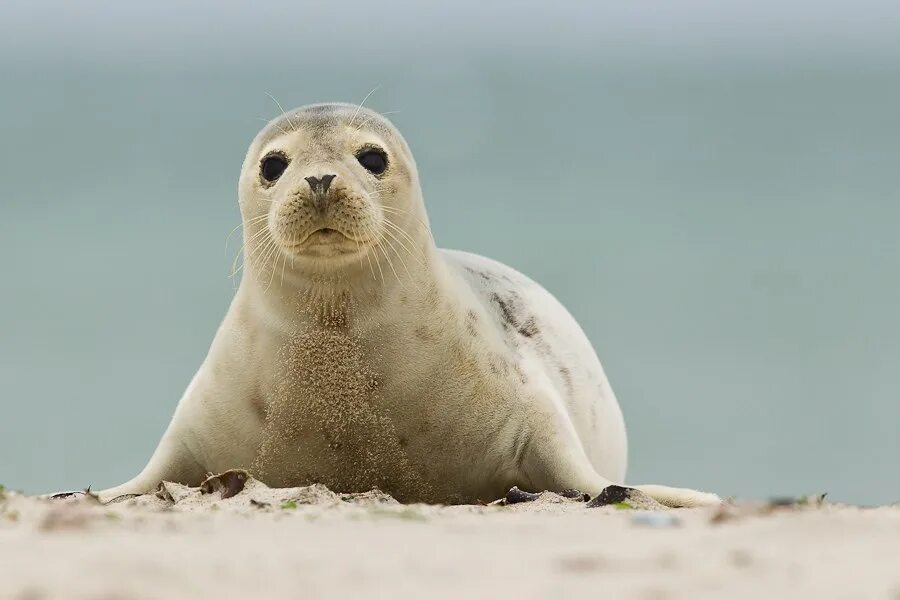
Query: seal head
point(323, 186)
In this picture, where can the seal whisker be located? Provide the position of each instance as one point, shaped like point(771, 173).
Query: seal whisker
point(274, 269)
point(381, 241)
point(276, 124)
point(270, 246)
point(250, 221)
point(369, 260)
point(399, 230)
point(359, 108)
point(371, 234)
point(278, 104)
point(253, 237)
point(403, 244)
point(398, 255)
point(359, 249)
point(283, 263)
point(272, 253)
point(401, 212)
point(402, 262)
point(366, 122)
point(260, 249)
point(234, 263)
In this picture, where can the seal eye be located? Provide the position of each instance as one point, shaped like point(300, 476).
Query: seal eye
point(273, 166)
point(373, 160)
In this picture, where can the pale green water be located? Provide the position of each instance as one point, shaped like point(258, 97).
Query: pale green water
point(726, 231)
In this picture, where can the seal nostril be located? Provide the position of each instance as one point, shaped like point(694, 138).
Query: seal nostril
point(320, 185)
point(326, 181)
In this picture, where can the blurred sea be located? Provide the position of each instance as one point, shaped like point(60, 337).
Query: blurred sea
point(725, 231)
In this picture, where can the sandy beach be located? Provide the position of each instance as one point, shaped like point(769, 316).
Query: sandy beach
point(309, 543)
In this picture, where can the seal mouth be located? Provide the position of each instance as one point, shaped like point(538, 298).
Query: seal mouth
point(323, 242)
point(324, 235)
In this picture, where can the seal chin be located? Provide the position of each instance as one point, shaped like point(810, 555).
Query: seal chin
point(326, 242)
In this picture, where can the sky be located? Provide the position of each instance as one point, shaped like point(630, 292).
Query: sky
point(272, 30)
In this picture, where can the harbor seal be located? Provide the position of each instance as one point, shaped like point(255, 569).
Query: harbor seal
point(357, 354)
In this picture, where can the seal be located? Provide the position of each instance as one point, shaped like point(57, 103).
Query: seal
point(357, 354)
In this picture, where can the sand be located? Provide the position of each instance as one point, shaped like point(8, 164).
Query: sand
point(311, 543)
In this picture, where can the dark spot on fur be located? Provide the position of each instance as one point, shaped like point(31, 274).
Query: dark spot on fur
point(471, 323)
point(423, 333)
point(402, 441)
point(520, 373)
point(566, 376)
point(498, 364)
point(529, 327)
point(510, 315)
point(483, 275)
point(506, 313)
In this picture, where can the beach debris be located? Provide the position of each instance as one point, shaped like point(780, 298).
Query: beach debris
point(515, 496)
point(624, 498)
point(86, 494)
point(259, 504)
point(729, 511)
point(230, 483)
point(573, 494)
point(173, 492)
point(373, 496)
point(613, 494)
point(656, 519)
point(288, 504)
point(121, 498)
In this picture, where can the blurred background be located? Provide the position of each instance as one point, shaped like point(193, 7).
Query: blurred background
point(710, 187)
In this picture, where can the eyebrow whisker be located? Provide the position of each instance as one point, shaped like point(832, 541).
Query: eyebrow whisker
point(359, 108)
point(278, 104)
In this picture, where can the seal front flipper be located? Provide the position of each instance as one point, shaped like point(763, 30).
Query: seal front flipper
point(552, 458)
point(172, 461)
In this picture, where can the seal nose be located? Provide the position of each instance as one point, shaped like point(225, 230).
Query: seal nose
point(320, 185)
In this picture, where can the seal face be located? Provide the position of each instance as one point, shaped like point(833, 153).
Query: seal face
point(357, 354)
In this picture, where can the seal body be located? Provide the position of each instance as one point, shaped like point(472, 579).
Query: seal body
point(357, 354)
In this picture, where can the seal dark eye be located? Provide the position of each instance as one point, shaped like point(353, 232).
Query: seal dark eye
point(273, 166)
point(373, 160)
